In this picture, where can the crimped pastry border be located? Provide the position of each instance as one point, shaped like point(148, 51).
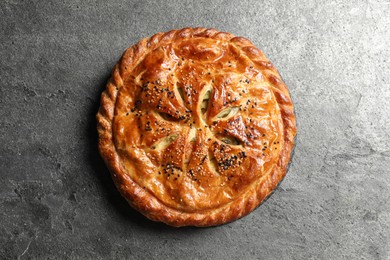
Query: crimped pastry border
point(147, 203)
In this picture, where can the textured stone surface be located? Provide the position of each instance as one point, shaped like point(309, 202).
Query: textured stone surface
point(57, 199)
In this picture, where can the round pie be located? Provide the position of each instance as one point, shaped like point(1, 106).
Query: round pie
point(196, 127)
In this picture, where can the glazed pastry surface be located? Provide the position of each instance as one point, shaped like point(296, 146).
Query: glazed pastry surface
point(196, 127)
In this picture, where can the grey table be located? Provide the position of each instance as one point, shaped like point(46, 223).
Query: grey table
point(56, 196)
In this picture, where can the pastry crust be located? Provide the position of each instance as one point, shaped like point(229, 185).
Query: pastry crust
point(196, 127)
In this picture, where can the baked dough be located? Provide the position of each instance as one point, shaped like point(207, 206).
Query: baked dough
point(196, 127)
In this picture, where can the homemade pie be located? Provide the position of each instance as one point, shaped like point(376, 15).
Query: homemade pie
point(196, 127)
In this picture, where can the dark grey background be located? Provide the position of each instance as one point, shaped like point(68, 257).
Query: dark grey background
point(56, 196)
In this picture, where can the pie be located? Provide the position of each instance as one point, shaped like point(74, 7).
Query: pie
point(196, 127)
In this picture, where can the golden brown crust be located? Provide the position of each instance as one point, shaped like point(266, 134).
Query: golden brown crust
point(196, 127)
